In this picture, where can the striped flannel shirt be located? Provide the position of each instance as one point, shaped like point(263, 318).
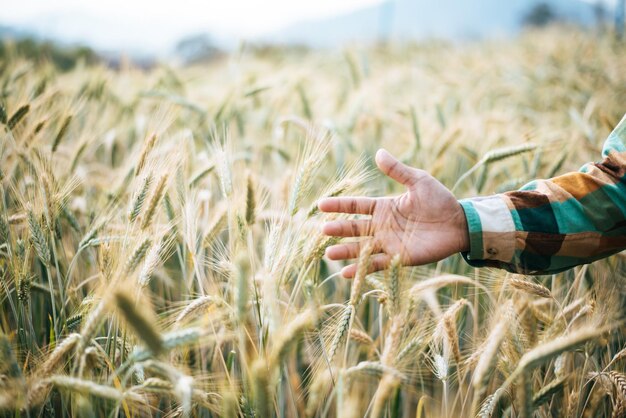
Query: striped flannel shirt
point(552, 225)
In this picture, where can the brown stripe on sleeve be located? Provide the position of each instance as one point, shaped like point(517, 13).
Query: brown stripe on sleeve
point(544, 244)
point(614, 165)
point(590, 244)
point(527, 199)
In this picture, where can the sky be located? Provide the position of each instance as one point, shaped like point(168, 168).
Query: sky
point(154, 26)
point(161, 22)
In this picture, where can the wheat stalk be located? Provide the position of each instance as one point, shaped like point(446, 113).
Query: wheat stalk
point(553, 348)
point(157, 194)
point(549, 390)
point(17, 117)
point(250, 201)
point(169, 341)
point(142, 325)
point(490, 403)
point(374, 368)
point(494, 156)
point(361, 272)
point(409, 349)
point(153, 258)
point(360, 337)
point(394, 285)
point(619, 380)
point(388, 384)
point(137, 256)
point(342, 330)
point(302, 322)
point(531, 288)
point(487, 359)
point(39, 239)
point(140, 198)
point(315, 149)
point(88, 387)
point(196, 306)
point(147, 147)
point(63, 348)
point(62, 131)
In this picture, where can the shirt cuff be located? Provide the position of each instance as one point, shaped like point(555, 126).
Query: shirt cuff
point(491, 230)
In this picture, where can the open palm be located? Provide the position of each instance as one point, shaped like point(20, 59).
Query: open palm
point(422, 225)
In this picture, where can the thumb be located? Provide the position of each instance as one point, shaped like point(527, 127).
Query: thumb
point(393, 168)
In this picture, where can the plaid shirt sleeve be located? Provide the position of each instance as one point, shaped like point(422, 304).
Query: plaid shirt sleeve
point(552, 225)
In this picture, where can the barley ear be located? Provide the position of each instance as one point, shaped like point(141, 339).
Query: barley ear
point(486, 361)
point(361, 272)
point(394, 285)
point(250, 201)
point(39, 239)
point(62, 131)
point(549, 390)
point(140, 198)
point(157, 194)
point(140, 323)
point(17, 117)
point(340, 333)
point(141, 162)
point(530, 287)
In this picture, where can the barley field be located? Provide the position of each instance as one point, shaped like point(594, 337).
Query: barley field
point(161, 250)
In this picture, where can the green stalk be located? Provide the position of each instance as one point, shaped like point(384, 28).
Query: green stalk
point(59, 279)
point(55, 319)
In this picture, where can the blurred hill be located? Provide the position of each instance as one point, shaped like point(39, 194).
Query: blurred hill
point(21, 43)
point(447, 19)
point(114, 40)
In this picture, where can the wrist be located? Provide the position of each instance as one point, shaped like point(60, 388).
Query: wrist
point(462, 230)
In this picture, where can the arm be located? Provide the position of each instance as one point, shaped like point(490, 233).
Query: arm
point(552, 225)
point(546, 227)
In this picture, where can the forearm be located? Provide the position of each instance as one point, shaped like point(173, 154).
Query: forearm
point(552, 225)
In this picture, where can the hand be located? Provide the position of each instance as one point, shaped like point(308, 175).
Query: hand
point(425, 224)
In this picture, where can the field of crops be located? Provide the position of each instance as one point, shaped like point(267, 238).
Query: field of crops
point(161, 250)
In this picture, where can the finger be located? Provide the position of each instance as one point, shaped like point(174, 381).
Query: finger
point(348, 228)
point(347, 251)
point(343, 251)
point(393, 168)
point(377, 262)
point(357, 205)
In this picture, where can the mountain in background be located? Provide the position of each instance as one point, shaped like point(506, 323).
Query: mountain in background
point(10, 32)
point(388, 20)
point(420, 19)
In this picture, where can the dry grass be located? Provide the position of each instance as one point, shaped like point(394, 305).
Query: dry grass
point(160, 247)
